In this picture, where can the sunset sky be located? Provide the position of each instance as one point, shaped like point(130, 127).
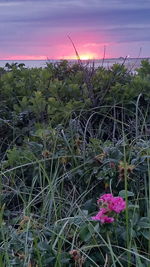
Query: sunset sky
point(38, 29)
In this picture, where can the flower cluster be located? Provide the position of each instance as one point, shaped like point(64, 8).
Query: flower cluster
point(109, 205)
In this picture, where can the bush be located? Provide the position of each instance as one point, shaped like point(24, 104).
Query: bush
point(69, 134)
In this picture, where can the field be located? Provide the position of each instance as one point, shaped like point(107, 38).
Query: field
point(69, 135)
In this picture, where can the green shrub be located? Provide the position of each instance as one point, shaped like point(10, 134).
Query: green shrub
point(70, 133)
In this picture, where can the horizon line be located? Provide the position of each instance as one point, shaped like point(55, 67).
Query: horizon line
point(67, 59)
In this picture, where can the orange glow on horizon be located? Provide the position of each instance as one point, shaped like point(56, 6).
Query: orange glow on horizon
point(86, 56)
point(83, 56)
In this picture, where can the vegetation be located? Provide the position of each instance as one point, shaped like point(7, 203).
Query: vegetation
point(68, 135)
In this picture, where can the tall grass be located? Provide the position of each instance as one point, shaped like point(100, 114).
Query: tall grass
point(59, 211)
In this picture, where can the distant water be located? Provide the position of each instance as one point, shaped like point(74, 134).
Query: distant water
point(28, 63)
point(130, 63)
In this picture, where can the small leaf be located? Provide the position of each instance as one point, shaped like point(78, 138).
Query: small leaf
point(85, 234)
point(84, 212)
point(144, 223)
point(146, 234)
point(123, 193)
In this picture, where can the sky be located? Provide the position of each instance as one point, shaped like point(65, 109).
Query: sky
point(39, 29)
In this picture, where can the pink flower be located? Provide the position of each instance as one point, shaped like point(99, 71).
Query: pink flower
point(100, 216)
point(105, 198)
point(109, 204)
point(112, 203)
point(118, 204)
point(106, 219)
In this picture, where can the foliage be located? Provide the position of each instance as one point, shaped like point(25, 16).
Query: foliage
point(69, 134)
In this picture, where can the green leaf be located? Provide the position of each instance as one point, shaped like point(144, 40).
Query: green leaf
point(146, 234)
point(144, 223)
point(123, 193)
point(85, 235)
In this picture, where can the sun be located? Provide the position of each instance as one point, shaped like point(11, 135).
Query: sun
point(86, 56)
point(83, 56)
